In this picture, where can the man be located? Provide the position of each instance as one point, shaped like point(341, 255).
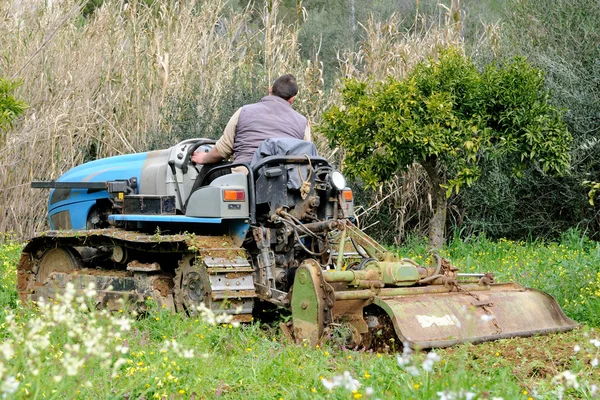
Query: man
point(272, 117)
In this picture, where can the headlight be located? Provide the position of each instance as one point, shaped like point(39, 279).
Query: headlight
point(337, 180)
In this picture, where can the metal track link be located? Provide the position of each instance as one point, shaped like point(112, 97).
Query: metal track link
point(223, 283)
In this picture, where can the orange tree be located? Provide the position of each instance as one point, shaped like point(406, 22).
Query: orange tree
point(448, 116)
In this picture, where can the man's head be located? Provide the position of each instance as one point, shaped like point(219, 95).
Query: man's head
point(285, 87)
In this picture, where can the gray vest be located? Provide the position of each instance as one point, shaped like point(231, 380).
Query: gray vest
point(272, 117)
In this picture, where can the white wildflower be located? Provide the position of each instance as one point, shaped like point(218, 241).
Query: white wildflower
point(344, 381)
point(9, 386)
point(121, 349)
point(595, 342)
point(406, 356)
point(350, 383)
point(91, 290)
point(402, 361)
point(593, 390)
point(414, 371)
point(594, 362)
point(72, 364)
point(329, 385)
point(369, 391)
point(58, 378)
point(577, 348)
point(568, 378)
point(431, 359)
point(406, 350)
point(469, 395)
point(124, 323)
point(497, 398)
point(188, 353)
point(462, 394)
point(7, 351)
point(446, 395)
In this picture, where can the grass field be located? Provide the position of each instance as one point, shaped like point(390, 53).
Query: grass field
point(61, 352)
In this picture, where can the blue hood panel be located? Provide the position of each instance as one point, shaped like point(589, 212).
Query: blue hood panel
point(107, 169)
point(79, 201)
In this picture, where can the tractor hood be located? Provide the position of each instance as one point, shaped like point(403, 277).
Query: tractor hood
point(107, 169)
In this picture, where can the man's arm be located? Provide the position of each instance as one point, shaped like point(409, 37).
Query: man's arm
point(224, 147)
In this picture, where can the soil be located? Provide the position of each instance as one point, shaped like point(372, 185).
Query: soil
point(533, 358)
point(164, 285)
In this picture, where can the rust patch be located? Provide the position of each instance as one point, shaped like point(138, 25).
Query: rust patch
point(244, 318)
point(211, 242)
point(25, 262)
point(104, 272)
point(163, 285)
point(23, 279)
point(235, 275)
point(135, 265)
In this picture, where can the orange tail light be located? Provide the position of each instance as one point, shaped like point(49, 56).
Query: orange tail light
point(348, 195)
point(234, 195)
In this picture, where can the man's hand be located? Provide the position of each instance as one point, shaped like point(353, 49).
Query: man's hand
point(200, 157)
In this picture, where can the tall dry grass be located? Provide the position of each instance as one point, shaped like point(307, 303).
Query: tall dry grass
point(97, 87)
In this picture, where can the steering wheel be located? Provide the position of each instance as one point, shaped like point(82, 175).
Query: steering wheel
point(188, 156)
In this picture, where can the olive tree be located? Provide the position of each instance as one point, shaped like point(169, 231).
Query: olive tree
point(447, 116)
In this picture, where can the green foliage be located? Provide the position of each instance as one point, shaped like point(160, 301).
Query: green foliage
point(90, 6)
point(594, 187)
point(9, 256)
point(162, 355)
point(10, 107)
point(561, 38)
point(448, 111)
point(532, 206)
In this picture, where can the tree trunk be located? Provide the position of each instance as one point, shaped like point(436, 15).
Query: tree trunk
point(437, 222)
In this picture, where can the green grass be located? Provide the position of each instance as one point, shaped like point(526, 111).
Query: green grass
point(174, 357)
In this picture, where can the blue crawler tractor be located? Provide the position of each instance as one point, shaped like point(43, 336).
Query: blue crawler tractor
point(156, 225)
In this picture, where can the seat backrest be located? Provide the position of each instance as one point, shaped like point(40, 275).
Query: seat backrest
point(283, 147)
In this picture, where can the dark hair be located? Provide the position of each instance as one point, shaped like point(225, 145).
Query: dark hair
point(285, 87)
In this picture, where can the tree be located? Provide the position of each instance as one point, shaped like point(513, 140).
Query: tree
point(10, 108)
point(446, 115)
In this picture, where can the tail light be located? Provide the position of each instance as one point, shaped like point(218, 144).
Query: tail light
point(348, 195)
point(234, 195)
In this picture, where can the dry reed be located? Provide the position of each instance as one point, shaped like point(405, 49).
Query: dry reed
point(97, 87)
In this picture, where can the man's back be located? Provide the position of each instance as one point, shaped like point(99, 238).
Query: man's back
point(271, 117)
